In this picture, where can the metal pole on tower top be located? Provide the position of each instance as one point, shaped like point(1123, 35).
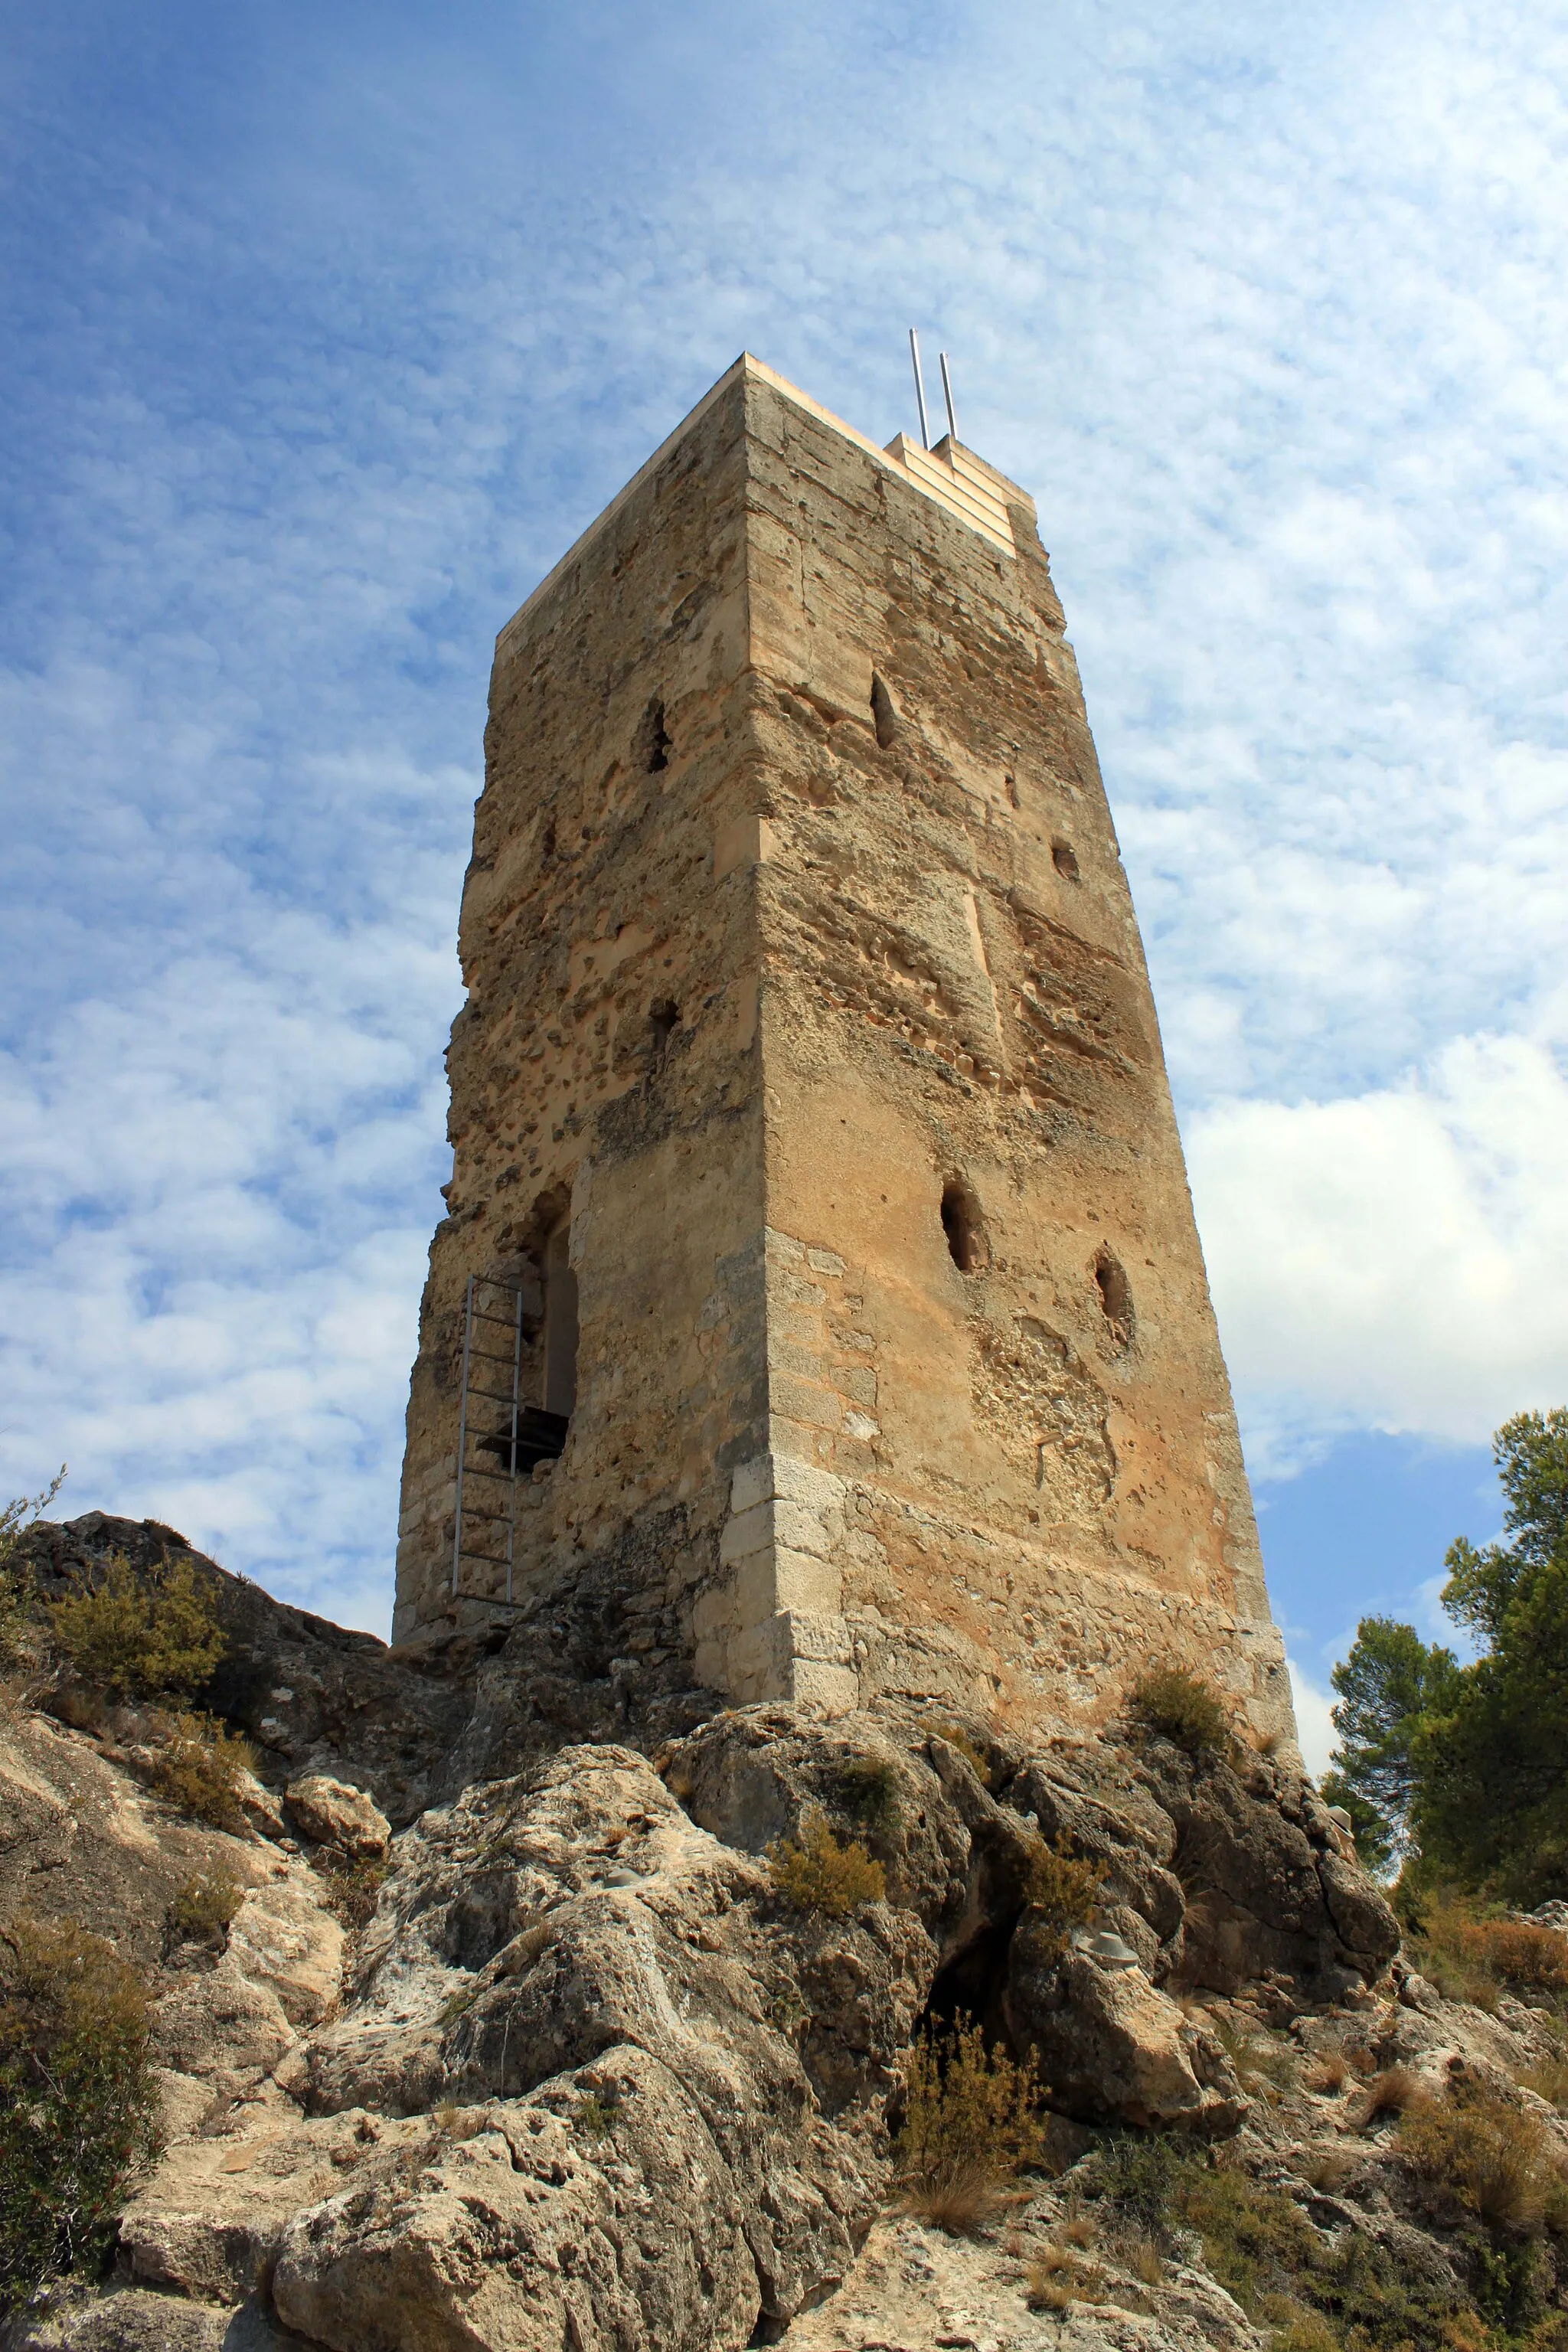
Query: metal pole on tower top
point(919, 388)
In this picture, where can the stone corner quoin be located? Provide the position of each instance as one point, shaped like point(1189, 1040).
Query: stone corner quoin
point(819, 1275)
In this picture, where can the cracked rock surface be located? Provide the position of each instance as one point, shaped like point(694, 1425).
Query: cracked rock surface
point(579, 2076)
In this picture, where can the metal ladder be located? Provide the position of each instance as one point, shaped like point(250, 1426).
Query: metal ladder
point(494, 1422)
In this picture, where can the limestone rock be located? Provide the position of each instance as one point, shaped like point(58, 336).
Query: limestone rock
point(131, 2319)
point(311, 1696)
point(284, 1936)
point(585, 2076)
point(333, 1813)
point(543, 2229)
point(1110, 2046)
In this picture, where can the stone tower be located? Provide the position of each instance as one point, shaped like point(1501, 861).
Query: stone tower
point(814, 1166)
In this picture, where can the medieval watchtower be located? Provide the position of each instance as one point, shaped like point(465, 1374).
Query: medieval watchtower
point(820, 1269)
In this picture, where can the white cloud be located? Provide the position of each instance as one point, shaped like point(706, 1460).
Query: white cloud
point(1396, 1259)
point(1313, 1726)
point(1268, 311)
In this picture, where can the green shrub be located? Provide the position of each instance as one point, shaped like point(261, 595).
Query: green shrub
point(129, 1640)
point(78, 2099)
point(199, 1770)
point(969, 2127)
point(1171, 1703)
point(867, 1788)
point(1353, 2292)
point(204, 1905)
point(814, 1872)
point(595, 2118)
point(1063, 1888)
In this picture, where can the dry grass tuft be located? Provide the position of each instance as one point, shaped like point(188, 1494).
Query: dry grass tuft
point(1061, 2277)
point(814, 1872)
point(1260, 2066)
point(1328, 2074)
point(1549, 2081)
point(1394, 2092)
point(1479, 2154)
point(969, 2128)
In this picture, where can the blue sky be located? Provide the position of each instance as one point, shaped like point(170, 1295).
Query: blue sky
point(325, 330)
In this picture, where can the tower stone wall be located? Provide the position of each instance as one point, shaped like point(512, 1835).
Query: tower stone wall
point(807, 1013)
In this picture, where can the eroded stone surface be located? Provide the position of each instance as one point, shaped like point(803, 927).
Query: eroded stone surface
point(809, 1067)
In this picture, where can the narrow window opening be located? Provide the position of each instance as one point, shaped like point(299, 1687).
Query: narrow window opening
point(1115, 1297)
point(1064, 858)
point(560, 1325)
point(884, 717)
point(1010, 786)
point(664, 1019)
point(655, 739)
point(961, 1224)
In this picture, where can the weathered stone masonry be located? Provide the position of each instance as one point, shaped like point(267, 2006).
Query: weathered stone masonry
point(807, 1014)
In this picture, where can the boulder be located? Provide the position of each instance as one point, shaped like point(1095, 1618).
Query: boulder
point(1110, 2047)
point(331, 1812)
point(604, 2216)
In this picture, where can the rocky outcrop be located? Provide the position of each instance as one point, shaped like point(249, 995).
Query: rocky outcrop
point(332, 1813)
point(586, 2076)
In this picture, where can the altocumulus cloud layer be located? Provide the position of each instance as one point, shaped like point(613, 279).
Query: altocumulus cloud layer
point(322, 338)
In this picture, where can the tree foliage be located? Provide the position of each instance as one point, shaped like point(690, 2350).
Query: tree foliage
point(1387, 1687)
point(1466, 1767)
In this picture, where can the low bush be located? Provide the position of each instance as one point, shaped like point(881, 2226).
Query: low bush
point(1171, 1703)
point(128, 1639)
point(1549, 2081)
point(969, 2127)
point(1476, 2153)
point(1063, 1888)
point(866, 1786)
point(199, 1770)
point(1471, 1955)
point(203, 1907)
point(814, 1872)
point(1312, 2293)
point(595, 2117)
point(353, 1888)
point(77, 2098)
